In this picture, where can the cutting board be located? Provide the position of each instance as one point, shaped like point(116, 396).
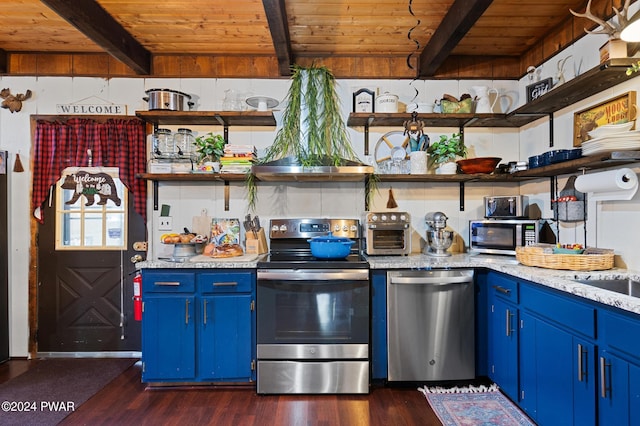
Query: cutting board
point(201, 225)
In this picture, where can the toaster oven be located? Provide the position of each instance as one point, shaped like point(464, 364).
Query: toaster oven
point(387, 233)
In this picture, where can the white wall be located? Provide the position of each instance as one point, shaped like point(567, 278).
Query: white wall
point(611, 224)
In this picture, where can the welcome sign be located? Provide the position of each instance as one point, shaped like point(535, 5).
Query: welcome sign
point(92, 109)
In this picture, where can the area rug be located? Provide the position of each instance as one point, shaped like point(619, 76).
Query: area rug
point(471, 406)
point(54, 388)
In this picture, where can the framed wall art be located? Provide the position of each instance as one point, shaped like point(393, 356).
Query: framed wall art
point(620, 109)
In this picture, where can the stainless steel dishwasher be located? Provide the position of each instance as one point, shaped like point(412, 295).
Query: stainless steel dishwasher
point(430, 325)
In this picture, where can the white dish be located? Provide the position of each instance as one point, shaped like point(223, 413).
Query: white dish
point(610, 129)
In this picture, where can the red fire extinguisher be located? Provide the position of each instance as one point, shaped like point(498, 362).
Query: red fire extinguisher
point(137, 297)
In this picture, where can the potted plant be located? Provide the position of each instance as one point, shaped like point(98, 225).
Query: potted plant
point(313, 132)
point(210, 148)
point(444, 153)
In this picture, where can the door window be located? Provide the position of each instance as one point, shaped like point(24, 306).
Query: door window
point(91, 216)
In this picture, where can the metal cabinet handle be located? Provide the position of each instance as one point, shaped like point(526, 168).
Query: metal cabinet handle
point(603, 377)
point(502, 289)
point(186, 311)
point(225, 284)
point(582, 353)
point(167, 283)
point(204, 309)
point(509, 330)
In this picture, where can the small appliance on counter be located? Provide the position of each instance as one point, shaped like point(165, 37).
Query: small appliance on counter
point(502, 236)
point(387, 233)
point(505, 206)
point(438, 239)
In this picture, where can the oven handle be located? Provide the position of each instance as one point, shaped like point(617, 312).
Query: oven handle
point(313, 274)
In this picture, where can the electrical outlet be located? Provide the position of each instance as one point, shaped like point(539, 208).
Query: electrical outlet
point(165, 223)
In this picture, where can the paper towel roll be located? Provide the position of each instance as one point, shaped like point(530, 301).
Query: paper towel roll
point(620, 184)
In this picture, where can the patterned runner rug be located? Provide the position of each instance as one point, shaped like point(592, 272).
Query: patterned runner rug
point(468, 406)
point(54, 388)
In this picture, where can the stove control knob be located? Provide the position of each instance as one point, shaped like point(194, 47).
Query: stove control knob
point(354, 228)
point(283, 228)
point(345, 228)
point(275, 228)
point(336, 228)
point(383, 217)
point(403, 218)
point(373, 217)
point(393, 218)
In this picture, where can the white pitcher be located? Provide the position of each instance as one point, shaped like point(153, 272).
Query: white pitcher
point(484, 105)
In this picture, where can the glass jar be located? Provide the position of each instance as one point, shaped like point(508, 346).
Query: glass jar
point(163, 144)
point(184, 142)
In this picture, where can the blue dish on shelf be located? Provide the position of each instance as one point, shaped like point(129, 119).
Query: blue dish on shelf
point(560, 155)
point(537, 161)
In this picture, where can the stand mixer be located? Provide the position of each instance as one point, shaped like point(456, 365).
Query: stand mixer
point(438, 240)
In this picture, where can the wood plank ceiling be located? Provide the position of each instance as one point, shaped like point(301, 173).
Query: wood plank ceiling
point(263, 38)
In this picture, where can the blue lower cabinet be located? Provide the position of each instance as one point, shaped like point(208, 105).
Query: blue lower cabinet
point(198, 326)
point(224, 335)
point(557, 374)
point(169, 338)
point(379, 324)
point(503, 346)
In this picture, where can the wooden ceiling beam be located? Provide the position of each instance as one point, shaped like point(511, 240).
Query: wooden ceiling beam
point(3, 61)
point(462, 15)
point(279, 28)
point(95, 23)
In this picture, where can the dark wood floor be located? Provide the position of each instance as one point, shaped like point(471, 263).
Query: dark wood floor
point(127, 401)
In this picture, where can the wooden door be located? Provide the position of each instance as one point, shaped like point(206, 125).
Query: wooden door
point(85, 296)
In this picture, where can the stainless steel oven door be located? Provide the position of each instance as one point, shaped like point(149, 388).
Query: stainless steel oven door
point(307, 314)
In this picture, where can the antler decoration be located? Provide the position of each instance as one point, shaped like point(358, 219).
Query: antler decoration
point(609, 28)
point(13, 102)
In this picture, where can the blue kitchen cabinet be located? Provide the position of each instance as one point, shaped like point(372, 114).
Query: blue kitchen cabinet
point(502, 333)
point(557, 357)
point(169, 338)
point(198, 326)
point(619, 368)
point(168, 326)
point(226, 339)
point(379, 324)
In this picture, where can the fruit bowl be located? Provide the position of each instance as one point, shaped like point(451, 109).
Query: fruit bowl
point(478, 165)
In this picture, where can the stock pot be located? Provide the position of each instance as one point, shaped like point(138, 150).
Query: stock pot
point(168, 99)
point(330, 247)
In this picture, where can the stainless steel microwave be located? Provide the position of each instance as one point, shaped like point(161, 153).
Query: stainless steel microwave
point(497, 236)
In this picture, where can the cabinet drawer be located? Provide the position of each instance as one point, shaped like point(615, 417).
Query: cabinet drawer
point(620, 332)
point(168, 282)
point(225, 282)
point(560, 309)
point(503, 286)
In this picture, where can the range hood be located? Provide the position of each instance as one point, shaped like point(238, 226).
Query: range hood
point(289, 168)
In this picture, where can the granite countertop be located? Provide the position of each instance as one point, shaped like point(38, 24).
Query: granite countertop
point(553, 278)
point(558, 279)
point(203, 262)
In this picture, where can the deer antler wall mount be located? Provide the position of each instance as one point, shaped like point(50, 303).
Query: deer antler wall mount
point(13, 102)
point(612, 29)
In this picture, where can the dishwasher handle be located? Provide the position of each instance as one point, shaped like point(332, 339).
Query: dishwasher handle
point(430, 280)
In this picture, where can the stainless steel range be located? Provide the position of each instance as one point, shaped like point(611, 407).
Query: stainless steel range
point(312, 314)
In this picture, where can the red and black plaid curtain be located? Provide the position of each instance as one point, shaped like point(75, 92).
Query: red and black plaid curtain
point(115, 143)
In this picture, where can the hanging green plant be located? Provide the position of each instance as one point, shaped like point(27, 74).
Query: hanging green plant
point(313, 132)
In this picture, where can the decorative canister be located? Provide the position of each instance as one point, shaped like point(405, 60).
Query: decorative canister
point(163, 144)
point(184, 141)
point(387, 102)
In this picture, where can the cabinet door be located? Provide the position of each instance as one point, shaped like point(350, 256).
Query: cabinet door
point(503, 346)
point(613, 390)
point(557, 374)
point(168, 338)
point(225, 338)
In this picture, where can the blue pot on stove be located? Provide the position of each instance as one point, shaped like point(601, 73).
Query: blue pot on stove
point(330, 247)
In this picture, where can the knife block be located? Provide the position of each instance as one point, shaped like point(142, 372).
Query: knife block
point(255, 245)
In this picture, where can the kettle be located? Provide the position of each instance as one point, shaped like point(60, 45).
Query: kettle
point(484, 105)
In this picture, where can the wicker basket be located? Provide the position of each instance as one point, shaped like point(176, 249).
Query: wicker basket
point(593, 259)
